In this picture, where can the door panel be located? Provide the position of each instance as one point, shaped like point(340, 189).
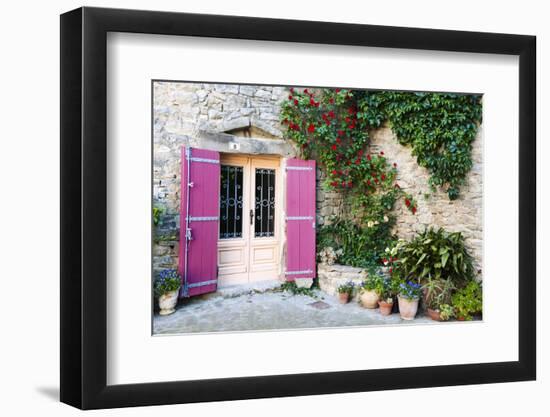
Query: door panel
point(200, 179)
point(249, 252)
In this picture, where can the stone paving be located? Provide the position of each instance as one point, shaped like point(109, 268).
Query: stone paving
point(269, 310)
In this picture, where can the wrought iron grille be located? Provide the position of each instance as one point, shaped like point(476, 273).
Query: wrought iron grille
point(264, 223)
point(231, 202)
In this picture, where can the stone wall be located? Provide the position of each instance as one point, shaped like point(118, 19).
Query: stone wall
point(198, 115)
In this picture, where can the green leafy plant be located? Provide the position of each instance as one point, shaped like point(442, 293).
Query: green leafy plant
point(468, 300)
point(168, 280)
point(387, 288)
point(372, 282)
point(433, 254)
point(290, 286)
point(346, 288)
point(157, 213)
point(446, 312)
point(437, 292)
point(359, 246)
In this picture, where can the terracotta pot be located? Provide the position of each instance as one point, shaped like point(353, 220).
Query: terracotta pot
point(343, 297)
point(407, 308)
point(434, 314)
point(369, 299)
point(385, 307)
point(167, 302)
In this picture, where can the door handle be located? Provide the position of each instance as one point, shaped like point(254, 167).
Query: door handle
point(251, 217)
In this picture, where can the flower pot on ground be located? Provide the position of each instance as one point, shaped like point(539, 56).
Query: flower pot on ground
point(345, 292)
point(409, 295)
point(167, 287)
point(386, 306)
point(435, 315)
point(369, 295)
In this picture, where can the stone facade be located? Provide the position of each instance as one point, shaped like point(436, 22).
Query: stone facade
point(215, 116)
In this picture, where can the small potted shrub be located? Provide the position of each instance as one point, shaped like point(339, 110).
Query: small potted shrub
point(437, 292)
point(446, 312)
point(386, 292)
point(167, 286)
point(468, 301)
point(345, 291)
point(368, 295)
point(409, 294)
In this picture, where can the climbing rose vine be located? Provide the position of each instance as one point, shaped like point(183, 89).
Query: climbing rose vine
point(328, 125)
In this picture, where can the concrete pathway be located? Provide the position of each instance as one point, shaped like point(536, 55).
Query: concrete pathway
point(269, 310)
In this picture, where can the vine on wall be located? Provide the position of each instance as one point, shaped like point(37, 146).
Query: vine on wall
point(333, 125)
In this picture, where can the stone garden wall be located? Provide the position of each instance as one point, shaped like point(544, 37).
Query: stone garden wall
point(193, 114)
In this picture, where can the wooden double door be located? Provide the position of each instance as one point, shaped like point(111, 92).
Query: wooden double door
point(250, 208)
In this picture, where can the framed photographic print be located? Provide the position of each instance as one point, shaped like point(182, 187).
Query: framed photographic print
point(257, 208)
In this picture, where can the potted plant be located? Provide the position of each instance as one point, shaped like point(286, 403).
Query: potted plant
point(437, 292)
point(386, 291)
point(345, 291)
point(409, 294)
point(368, 296)
point(167, 286)
point(467, 301)
point(446, 312)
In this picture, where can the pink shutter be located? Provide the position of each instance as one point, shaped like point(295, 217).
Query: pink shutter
point(199, 219)
point(300, 219)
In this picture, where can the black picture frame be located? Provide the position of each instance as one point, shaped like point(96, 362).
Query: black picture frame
point(84, 207)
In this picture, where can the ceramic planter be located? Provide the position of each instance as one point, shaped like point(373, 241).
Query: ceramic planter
point(369, 299)
point(407, 308)
point(343, 297)
point(434, 314)
point(167, 302)
point(385, 307)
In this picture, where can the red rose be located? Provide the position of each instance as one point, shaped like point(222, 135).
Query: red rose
point(333, 147)
point(305, 91)
point(312, 102)
point(331, 114)
point(407, 202)
point(368, 182)
point(337, 90)
point(383, 177)
point(360, 152)
point(394, 165)
point(295, 102)
point(413, 210)
point(290, 97)
point(340, 133)
point(376, 181)
point(350, 184)
point(381, 152)
point(292, 89)
point(331, 100)
point(369, 157)
point(338, 140)
point(391, 270)
point(311, 128)
point(348, 120)
point(334, 183)
point(357, 161)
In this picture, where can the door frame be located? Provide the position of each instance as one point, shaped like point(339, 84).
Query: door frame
point(250, 162)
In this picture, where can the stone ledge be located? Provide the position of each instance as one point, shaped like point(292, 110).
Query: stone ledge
point(332, 276)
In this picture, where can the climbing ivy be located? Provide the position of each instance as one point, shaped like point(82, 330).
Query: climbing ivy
point(440, 128)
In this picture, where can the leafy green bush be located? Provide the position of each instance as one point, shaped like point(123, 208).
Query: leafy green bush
point(362, 247)
point(468, 300)
point(434, 254)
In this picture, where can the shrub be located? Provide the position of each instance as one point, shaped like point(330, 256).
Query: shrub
point(434, 254)
point(468, 300)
